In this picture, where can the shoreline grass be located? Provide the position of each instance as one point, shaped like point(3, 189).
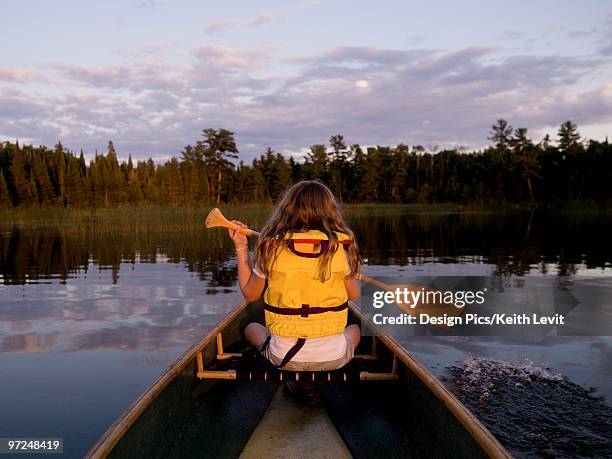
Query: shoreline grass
point(256, 213)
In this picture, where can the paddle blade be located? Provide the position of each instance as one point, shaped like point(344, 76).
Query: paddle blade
point(216, 219)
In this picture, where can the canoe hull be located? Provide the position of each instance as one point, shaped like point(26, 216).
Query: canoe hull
point(181, 416)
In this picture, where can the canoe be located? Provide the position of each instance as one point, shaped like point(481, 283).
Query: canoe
point(213, 403)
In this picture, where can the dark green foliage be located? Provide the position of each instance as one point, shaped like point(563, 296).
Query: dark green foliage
point(275, 173)
point(514, 170)
point(568, 136)
point(5, 198)
point(218, 149)
point(316, 164)
point(501, 133)
point(339, 166)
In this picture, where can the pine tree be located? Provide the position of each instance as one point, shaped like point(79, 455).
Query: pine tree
point(219, 148)
point(32, 199)
point(82, 164)
point(135, 188)
point(359, 170)
point(545, 142)
point(60, 167)
point(338, 163)
point(338, 148)
point(316, 163)
point(569, 138)
point(75, 186)
point(20, 181)
point(5, 197)
point(114, 181)
point(371, 175)
point(295, 170)
point(46, 194)
point(398, 171)
point(500, 134)
point(251, 183)
point(526, 157)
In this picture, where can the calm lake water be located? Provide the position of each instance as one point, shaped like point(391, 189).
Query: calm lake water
point(92, 311)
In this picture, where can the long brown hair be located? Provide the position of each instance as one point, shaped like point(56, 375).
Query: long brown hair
point(307, 205)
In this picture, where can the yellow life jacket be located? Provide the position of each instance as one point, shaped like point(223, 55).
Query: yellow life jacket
point(297, 304)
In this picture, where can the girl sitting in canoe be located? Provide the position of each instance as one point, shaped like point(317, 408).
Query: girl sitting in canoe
point(305, 264)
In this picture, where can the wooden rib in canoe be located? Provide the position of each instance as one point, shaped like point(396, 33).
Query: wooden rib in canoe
point(412, 415)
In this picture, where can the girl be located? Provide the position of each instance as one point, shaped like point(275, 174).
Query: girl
point(305, 263)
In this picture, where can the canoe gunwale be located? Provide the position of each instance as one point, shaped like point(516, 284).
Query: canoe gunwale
point(487, 441)
point(114, 433)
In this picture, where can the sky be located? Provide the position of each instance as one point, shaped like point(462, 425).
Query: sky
point(152, 74)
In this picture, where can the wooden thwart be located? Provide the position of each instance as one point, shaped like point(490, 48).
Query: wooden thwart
point(280, 375)
point(224, 355)
point(212, 374)
point(372, 356)
point(296, 376)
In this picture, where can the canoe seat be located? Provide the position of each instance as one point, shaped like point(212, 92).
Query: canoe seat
point(246, 365)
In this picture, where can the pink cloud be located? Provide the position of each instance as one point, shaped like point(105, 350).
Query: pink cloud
point(20, 75)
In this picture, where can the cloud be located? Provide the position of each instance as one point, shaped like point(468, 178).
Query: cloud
point(582, 33)
point(371, 95)
point(20, 75)
point(362, 56)
point(228, 24)
point(261, 18)
point(606, 48)
point(510, 35)
point(146, 3)
point(227, 59)
point(138, 76)
point(156, 51)
point(416, 39)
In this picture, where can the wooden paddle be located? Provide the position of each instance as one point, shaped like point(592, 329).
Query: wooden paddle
point(216, 219)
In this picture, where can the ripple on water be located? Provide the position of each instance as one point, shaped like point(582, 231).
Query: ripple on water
point(534, 411)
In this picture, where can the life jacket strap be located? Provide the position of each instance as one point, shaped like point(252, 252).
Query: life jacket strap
point(305, 310)
point(299, 344)
point(324, 247)
point(318, 241)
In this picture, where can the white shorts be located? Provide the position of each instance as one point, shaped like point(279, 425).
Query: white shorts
point(311, 366)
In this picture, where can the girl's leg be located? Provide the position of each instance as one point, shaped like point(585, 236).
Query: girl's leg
point(255, 334)
point(354, 333)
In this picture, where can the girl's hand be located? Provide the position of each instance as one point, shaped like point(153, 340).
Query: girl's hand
point(239, 239)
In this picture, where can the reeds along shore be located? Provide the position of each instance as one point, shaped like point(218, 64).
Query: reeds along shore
point(513, 170)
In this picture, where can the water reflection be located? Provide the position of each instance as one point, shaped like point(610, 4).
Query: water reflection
point(75, 354)
point(513, 243)
point(39, 254)
point(155, 307)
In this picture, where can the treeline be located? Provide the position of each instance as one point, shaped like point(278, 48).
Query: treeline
point(514, 169)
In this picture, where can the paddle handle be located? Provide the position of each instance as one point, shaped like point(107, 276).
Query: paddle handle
point(245, 231)
point(375, 283)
